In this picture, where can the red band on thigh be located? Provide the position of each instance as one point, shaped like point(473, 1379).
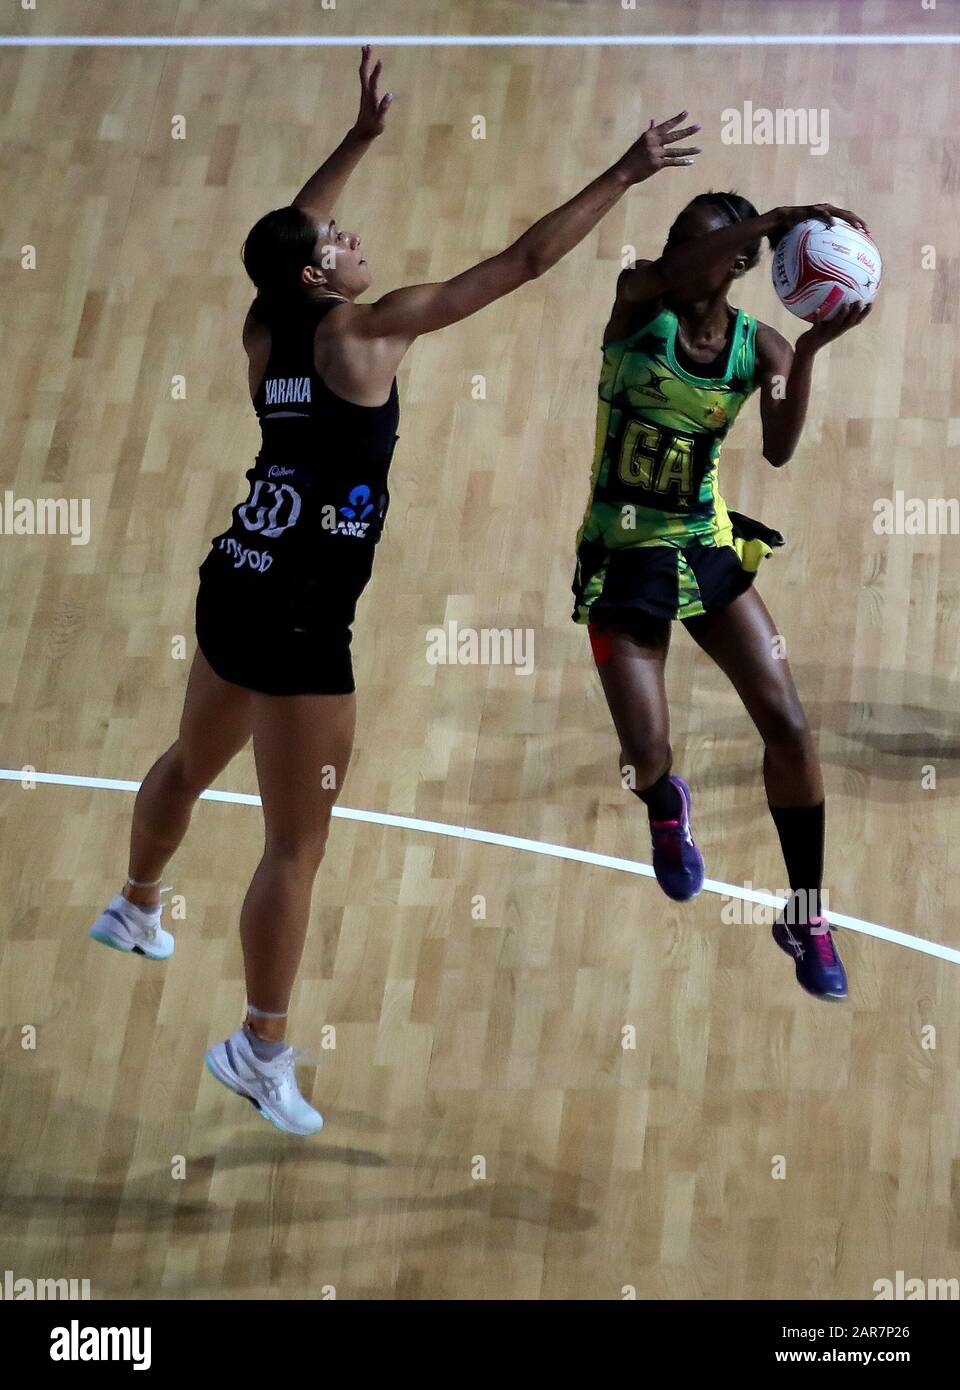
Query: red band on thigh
point(600, 642)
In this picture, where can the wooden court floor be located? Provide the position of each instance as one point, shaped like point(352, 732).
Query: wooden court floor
point(488, 1134)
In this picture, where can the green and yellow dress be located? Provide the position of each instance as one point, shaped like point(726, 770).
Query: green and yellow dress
point(657, 535)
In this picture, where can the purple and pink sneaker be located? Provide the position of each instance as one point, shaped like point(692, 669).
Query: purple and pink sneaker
point(677, 862)
point(819, 967)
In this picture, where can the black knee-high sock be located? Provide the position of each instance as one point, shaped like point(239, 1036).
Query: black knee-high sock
point(661, 799)
point(801, 838)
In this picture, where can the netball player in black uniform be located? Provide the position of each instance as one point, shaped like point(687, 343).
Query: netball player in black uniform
point(658, 545)
point(279, 588)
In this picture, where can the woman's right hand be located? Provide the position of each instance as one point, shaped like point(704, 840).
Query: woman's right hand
point(373, 108)
point(783, 220)
point(653, 151)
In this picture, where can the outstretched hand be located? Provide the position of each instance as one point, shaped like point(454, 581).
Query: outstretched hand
point(826, 330)
point(373, 108)
point(785, 219)
point(653, 151)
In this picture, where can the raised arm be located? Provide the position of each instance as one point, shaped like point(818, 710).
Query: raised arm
point(319, 194)
point(786, 374)
point(419, 309)
point(652, 279)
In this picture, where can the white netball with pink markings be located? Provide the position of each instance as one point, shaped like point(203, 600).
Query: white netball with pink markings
point(820, 267)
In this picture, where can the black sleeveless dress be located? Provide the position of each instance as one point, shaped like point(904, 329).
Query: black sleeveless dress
point(279, 588)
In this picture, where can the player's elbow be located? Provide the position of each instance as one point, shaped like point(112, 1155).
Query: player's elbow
point(777, 452)
point(777, 458)
point(529, 264)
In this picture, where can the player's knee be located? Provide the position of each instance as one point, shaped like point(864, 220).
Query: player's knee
point(186, 769)
point(303, 846)
point(785, 728)
point(641, 766)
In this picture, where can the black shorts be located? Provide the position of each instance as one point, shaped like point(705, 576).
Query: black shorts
point(273, 650)
point(675, 580)
point(661, 581)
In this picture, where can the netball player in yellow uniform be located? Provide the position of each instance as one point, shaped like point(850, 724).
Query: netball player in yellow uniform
point(658, 545)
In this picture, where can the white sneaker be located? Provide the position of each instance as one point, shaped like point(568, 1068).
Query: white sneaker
point(126, 927)
point(271, 1086)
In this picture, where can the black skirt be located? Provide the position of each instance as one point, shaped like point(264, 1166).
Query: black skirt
point(276, 650)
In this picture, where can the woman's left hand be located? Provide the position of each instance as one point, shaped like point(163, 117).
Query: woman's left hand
point(373, 108)
point(825, 331)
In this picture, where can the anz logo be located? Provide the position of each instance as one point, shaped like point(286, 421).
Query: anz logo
point(356, 511)
point(360, 505)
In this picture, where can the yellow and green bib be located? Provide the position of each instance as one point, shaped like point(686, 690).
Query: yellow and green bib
point(659, 435)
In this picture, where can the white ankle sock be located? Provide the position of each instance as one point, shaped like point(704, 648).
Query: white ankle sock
point(128, 906)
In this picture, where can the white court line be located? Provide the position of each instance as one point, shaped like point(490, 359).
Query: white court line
point(491, 837)
point(467, 40)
